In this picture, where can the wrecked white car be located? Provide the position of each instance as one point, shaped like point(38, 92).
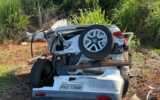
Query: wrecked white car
point(87, 63)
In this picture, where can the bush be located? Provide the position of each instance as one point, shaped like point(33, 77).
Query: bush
point(31, 6)
point(96, 16)
point(40, 11)
point(109, 5)
point(141, 17)
point(12, 19)
point(68, 7)
point(135, 42)
point(129, 15)
point(151, 29)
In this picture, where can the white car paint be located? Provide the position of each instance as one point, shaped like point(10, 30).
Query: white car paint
point(109, 83)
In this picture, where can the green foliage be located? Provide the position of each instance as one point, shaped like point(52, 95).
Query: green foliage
point(58, 7)
point(157, 40)
point(31, 6)
point(109, 5)
point(137, 57)
point(141, 17)
point(129, 14)
point(6, 73)
point(135, 42)
point(151, 29)
point(145, 73)
point(96, 16)
point(4, 70)
point(156, 51)
point(68, 7)
point(12, 19)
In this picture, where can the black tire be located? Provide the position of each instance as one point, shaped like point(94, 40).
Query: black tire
point(126, 84)
point(100, 55)
point(40, 73)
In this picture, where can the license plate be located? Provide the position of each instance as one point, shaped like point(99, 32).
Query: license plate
point(73, 87)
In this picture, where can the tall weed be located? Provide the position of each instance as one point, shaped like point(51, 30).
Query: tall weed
point(31, 6)
point(12, 19)
point(68, 7)
point(108, 6)
point(96, 16)
point(151, 29)
point(129, 15)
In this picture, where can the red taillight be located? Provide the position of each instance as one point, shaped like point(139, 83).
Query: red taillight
point(117, 34)
point(103, 97)
point(40, 94)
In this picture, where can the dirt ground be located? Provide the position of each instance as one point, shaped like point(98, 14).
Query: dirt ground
point(18, 55)
point(145, 72)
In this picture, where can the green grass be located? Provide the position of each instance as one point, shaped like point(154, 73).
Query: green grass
point(137, 57)
point(157, 51)
point(6, 74)
point(7, 69)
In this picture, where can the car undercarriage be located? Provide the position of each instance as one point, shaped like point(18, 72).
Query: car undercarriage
point(88, 62)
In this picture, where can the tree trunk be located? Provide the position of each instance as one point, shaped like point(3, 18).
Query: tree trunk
point(39, 14)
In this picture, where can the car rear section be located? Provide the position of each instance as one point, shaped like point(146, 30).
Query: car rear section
point(107, 86)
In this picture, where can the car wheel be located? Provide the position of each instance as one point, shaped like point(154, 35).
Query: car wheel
point(40, 73)
point(126, 84)
point(96, 42)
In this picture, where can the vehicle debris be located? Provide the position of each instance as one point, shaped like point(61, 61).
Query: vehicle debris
point(82, 55)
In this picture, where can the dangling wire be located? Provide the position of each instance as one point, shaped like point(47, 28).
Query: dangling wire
point(32, 45)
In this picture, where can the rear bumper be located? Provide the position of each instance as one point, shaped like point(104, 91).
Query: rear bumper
point(110, 84)
point(68, 95)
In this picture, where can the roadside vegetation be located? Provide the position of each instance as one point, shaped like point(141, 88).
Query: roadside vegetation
point(95, 16)
point(6, 73)
point(138, 16)
point(13, 21)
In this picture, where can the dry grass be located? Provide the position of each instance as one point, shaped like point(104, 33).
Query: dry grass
point(13, 58)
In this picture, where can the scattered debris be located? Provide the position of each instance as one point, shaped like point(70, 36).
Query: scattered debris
point(23, 43)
